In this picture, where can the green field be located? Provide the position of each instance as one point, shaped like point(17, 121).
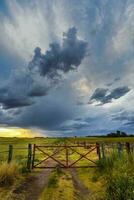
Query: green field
point(64, 184)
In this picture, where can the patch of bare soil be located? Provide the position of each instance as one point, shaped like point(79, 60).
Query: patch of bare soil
point(32, 187)
point(81, 191)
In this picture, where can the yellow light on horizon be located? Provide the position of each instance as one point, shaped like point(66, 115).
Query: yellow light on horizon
point(18, 132)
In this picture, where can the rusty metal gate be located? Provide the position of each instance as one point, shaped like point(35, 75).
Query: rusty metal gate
point(65, 156)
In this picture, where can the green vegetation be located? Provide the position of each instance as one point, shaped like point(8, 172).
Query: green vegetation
point(59, 187)
point(119, 134)
point(112, 180)
point(118, 174)
point(101, 139)
point(20, 147)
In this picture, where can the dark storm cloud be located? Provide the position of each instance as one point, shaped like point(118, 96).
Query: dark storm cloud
point(104, 24)
point(85, 120)
point(118, 92)
point(60, 58)
point(74, 126)
point(103, 96)
point(37, 92)
point(3, 90)
point(14, 103)
point(49, 115)
point(79, 124)
point(15, 92)
point(99, 94)
point(44, 71)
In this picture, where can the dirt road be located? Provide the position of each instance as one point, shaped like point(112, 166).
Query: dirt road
point(81, 192)
point(32, 187)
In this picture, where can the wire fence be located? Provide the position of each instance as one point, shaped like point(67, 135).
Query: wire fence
point(105, 149)
point(24, 155)
point(21, 155)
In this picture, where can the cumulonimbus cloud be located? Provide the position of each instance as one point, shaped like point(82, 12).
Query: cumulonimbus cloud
point(60, 58)
point(43, 71)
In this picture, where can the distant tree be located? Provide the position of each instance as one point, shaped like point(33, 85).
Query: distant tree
point(123, 134)
point(117, 134)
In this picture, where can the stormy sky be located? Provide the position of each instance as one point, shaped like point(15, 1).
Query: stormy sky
point(67, 67)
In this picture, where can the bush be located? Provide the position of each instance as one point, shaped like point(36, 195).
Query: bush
point(9, 173)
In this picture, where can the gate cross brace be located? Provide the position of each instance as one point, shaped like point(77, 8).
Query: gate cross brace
point(82, 156)
point(50, 156)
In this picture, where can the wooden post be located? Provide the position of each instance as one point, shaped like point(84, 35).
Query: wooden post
point(10, 153)
point(29, 159)
point(103, 150)
point(85, 144)
point(66, 156)
point(34, 147)
point(132, 147)
point(98, 150)
point(128, 147)
point(119, 149)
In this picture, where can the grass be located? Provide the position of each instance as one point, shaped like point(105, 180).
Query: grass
point(20, 146)
point(59, 187)
point(102, 139)
point(114, 180)
point(118, 174)
point(9, 173)
point(10, 177)
point(93, 182)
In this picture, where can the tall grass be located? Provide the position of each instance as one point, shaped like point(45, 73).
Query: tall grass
point(119, 176)
point(9, 173)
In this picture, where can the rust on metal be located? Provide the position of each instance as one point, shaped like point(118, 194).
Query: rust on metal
point(67, 162)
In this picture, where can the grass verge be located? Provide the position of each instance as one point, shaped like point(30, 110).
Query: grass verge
point(118, 173)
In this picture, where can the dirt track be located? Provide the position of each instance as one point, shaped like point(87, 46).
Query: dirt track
point(32, 187)
point(82, 193)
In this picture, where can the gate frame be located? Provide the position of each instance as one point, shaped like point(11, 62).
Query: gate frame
point(66, 148)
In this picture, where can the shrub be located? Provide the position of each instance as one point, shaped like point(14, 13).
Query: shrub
point(9, 173)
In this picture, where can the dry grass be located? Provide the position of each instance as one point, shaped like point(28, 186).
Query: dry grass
point(9, 173)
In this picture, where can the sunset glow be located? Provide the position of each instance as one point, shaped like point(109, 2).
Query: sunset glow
point(18, 132)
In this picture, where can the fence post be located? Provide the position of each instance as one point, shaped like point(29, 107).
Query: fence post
point(98, 150)
point(29, 159)
point(33, 156)
point(84, 144)
point(128, 147)
point(119, 149)
point(66, 156)
point(132, 147)
point(103, 150)
point(10, 153)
